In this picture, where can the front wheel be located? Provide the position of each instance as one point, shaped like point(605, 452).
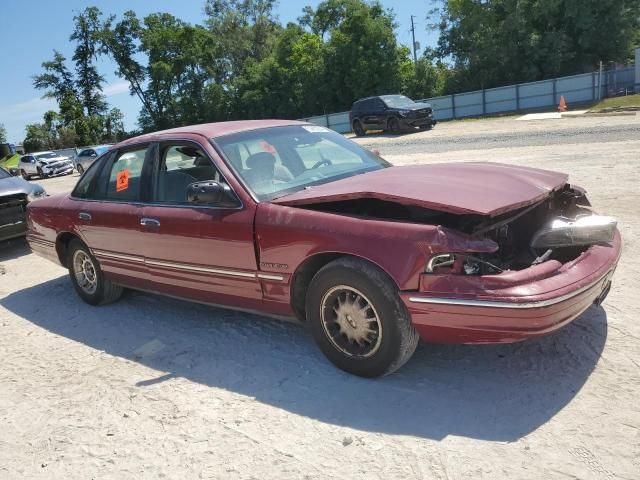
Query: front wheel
point(393, 125)
point(24, 174)
point(41, 174)
point(358, 320)
point(87, 277)
point(80, 169)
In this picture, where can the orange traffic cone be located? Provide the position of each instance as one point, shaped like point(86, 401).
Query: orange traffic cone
point(562, 106)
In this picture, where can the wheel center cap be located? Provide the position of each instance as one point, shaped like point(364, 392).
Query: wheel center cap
point(351, 321)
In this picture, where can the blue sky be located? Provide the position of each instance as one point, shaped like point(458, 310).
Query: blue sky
point(31, 29)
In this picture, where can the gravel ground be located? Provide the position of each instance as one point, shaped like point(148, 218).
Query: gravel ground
point(152, 387)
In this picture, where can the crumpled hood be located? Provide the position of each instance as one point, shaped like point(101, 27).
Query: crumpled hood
point(460, 188)
point(15, 186)
point(47, 161)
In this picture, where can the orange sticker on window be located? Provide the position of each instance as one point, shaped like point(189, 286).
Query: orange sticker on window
point(267, 147)
point(122, 180)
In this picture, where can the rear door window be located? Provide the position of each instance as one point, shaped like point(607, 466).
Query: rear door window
point(122, 179)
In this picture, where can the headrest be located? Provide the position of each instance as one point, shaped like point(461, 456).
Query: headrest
point(262, 160)
point(201, 161)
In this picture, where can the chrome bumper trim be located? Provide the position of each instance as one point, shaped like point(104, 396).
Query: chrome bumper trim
point(502, 304)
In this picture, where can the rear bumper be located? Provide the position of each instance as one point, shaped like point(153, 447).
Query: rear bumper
point(511, 313)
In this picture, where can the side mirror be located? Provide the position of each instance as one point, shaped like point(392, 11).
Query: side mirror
point(211, 193)
point(14, 171)
point(93, 155)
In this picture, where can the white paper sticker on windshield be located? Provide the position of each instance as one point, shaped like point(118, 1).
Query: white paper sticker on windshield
point(315, 128)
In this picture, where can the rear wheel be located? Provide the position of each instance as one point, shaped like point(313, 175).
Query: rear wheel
point(87, 277)
point(358, 129)
point(358, 320)
point(393, 125)
point(80, 169)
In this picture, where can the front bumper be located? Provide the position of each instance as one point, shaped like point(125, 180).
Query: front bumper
point(512, 311)
point(55, 172)
point(416, 122)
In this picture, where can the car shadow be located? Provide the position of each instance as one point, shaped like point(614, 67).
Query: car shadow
point(499, 392)
point(385, 134)
point(14, 248)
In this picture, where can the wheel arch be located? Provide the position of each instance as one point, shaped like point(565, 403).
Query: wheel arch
point(63, 241)
point(301, 278)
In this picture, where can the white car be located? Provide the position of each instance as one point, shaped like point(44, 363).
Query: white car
point(44, 164)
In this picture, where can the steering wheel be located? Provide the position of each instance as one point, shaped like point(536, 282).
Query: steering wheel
point(319, 163)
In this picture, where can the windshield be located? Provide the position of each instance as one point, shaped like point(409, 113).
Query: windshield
point(397, 101)
point(4, 173)
point(277, 161)
point(101, 150)
point(42, 156)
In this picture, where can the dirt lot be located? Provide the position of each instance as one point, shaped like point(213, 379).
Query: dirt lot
point(152, 387)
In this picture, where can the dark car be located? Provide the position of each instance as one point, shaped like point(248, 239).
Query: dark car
point(392, 113)
point(15, 193)
point(294, 220)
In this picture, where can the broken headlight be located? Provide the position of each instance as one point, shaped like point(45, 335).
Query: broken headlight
point(588, 230)
point(460, 263)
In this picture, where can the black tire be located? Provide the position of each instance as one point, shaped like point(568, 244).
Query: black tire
point(41, 174)
point(429, 126)
point(393, 333)
point(80, 169)
point(24, 174)
point(393, 125)
point(358, 129)
point(105, 291)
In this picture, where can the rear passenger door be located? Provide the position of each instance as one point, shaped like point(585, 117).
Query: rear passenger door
point(109, 210)
point(202, 252)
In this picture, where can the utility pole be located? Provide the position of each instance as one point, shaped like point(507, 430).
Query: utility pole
point(413, 36)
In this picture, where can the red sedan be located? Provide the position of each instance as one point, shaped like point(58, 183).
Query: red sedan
point(293, 220)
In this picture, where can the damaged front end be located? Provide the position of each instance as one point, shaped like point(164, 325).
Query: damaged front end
point(560, 227)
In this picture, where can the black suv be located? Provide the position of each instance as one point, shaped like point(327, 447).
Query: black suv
point(392, 113)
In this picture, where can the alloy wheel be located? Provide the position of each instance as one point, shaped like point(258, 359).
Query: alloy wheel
point(85, 272)
point(350, 321)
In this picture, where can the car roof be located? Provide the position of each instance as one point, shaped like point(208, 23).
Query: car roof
point(210, 130)
point(366, 98)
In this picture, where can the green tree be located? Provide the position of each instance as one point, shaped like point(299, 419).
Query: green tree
point(506, 41)
point(87, 26)
point(242, 29)
point(287, 83)
point(363, 57)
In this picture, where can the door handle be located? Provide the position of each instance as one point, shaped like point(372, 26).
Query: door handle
point(84, 216)
point(149, 222)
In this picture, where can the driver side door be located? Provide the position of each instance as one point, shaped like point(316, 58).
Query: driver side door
point(201, 252)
